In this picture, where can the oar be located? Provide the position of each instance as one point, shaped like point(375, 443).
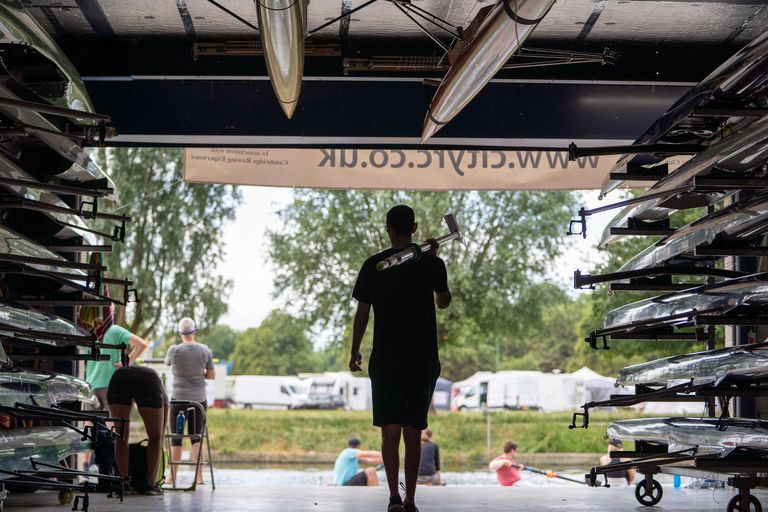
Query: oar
point(413, 251)
point(552, 474)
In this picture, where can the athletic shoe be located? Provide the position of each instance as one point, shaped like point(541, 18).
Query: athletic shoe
point(395, 504)
point(154, 490)
point(128, 489)
point(410, 507)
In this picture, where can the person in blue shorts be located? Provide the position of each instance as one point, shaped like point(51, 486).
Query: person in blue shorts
point(346, 470)
point(404, 364)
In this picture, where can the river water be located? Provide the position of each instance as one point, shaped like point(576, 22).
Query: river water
point(291, 474)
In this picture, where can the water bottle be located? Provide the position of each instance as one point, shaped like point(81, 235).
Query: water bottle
point(180, 420)
point(676, 481)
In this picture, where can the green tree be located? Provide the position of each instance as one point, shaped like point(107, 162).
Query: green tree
point(513, 239)
point(220, 339)
point(279, 346)
point(546, 343)
point(173, 242)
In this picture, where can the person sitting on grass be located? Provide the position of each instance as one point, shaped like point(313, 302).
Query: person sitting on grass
point(346, 470)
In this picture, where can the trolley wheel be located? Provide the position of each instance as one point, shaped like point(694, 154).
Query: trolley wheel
point(734, 504)
point(648, 499)
point(66, 496)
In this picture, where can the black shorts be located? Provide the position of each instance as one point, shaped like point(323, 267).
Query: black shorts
point(193, 424)
point(359, 479)
point(401, 396)
point(138, 383)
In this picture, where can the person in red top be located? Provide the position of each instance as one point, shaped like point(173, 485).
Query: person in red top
point(507, 470)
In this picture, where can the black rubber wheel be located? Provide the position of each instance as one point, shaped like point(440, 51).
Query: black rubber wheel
point(66, 496)
point(644, 498)
point(734, 504)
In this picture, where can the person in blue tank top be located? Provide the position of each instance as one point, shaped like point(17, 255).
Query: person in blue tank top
point(346, 470)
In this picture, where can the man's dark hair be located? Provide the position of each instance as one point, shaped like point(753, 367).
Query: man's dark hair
point(401, 219)
point(509, 446)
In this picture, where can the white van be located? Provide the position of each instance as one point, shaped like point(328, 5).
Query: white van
point(512, 390)
point(268, 392)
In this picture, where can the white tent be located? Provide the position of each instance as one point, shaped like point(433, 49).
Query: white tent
point(599, 388)
point(561, 392)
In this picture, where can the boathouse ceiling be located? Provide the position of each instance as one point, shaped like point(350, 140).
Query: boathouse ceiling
point(191, 72)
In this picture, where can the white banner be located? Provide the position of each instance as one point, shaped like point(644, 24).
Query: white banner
point(393, 169)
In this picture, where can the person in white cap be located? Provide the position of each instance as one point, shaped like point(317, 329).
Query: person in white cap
point(192, 365)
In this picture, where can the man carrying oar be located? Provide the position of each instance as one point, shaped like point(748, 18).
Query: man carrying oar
point(404, 363)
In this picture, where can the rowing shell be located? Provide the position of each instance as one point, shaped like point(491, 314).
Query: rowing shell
point(20, 31)
point(701, 433)
point(40, 229)
point(738, 153)
point(48, 445)
point(79, 168)
point(741, 221)
point(34, 323)
point(40, 387)
point(743, 361)
point(723, 297)
point(738, 77)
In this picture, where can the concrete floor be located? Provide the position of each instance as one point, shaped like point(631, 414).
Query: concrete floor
point(356, 499)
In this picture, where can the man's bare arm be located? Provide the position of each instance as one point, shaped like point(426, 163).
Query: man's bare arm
point(359, 325)
point(369, 457)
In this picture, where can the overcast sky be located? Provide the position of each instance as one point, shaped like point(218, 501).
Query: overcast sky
point(246, 262)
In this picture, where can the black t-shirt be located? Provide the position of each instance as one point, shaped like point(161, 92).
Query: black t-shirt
point(430, 459)
point(404, 326)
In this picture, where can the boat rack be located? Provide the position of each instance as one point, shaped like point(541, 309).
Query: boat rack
point(581, 281)
point(62, 479)
point(685, 319)
point(67, 418)
point(738, 469)
point(692, 391)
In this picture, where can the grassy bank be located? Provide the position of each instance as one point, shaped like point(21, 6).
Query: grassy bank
point(462, 436)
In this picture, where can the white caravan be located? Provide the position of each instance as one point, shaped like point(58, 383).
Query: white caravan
point(511, 390)
point(268, 392)
point(356, 391)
